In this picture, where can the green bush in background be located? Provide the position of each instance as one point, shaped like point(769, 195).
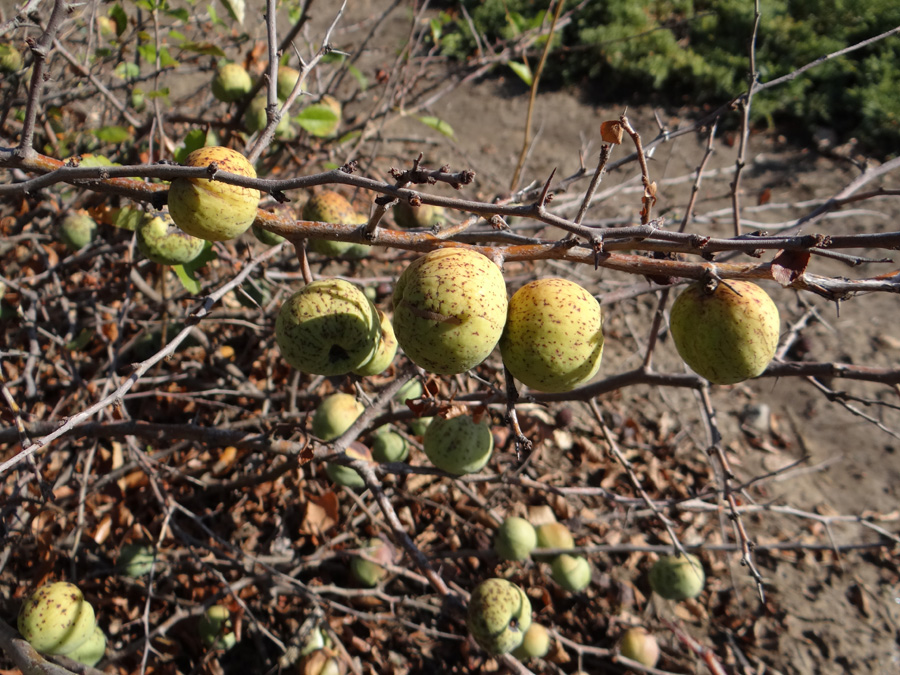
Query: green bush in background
point(696, 52)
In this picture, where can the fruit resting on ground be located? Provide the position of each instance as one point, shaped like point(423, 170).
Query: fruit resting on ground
point(215, 628)
point(328, 327)
point(553, 339)
point(211, 209)
point(91, 650)
point(160, 241)
point(389, 446)
point(335, 415)
point(535, 643)
point(345, 475)
point(728, 335)
point(384, 355)
point(231, 82)
point(409, 217)
point(77, 230)
point(639, 645)
point(515, 539)
point(499, 614)
point(677, 577)
point(56, 619)
point(553, 535)
point(459, 445)
point(571, 572)
point(135, 560)
point(366, 572)
point(449, 310)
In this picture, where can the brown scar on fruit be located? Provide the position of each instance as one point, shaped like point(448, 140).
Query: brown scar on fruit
point(432, 316)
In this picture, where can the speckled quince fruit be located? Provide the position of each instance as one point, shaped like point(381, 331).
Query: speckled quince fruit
point(639, 645)
point(56, 619)
point(211, 209)
point(328, 327)
point(449, 310)
point(384, 355)
point(77, 230)
point(231, 82)
point(515, 539)
point(287, 80)
point(498, 616)
point(677, 577)
point(553, 535)
point(369, 573)
point(726, 335)
point(334, 415)
point(553, 339)
point(424, 216)
point(571, 572)
point(256, 118)
point(328, 207)
point(346, 475)
point(535, 643)
point(91, 650)
point(160, 241)
point(389, 446)
point(215, 628)
point(10, 59)
point(459, 444)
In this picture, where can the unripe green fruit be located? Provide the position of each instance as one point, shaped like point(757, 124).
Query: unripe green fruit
point(535, 643)
point(553, 535)
point(639, 645)
point(231, 82)
point(384, 355)
point(329, 207)
point(106, 26)
point(345, 475)
point(553, 339)
point(389, 446)
point(677, 577)
point(335, 415)
point(515, 539)
point(135, 560)
point(77, 230)
point(211, 209)
point(160, 241)
point(216, 629)
point(728, 335)
point(328, 327)
point(287, 80)
point(571, 572)
point(91, 650)
point(366, 572)
point(56, 619)
point(266, 237)
point(10, 59)
point(411, 390)
point(459, 445)
point(256, 118)
point(449, 310)
point(424, 216)
point(419, 425)
point(321, 662)
point(499, 613)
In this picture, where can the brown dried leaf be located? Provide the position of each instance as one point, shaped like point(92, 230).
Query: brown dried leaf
point(612, 132)
point(789, 266)
point(322, 513)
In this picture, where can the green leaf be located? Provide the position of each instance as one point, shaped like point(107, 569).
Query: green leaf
point(113, 134)
point(166, 60)
point(523, 71)
point(206, 48)
point(437, 28)
point(359, 77)
point(195, 139)
point(118, 15)
point(235, 9)
point(95, 160)
point(128, 218)
point(319, 120)
point(182, 14)
point(127, 70)
point(81, 340)
point(187, 273)
point(437, 124)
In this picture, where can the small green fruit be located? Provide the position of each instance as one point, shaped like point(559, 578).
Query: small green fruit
point(366, 572)
point(287, 80)
point(449, 310)
point(216, 629)
point(459, 445)
point(553, 535)
point(231, 82)
point(498, 616)
point(256, 118)
point(535, 643)
point(571, 572)
point(321, 662)
point(91, 650)
point(56, 619)
point(10, 59)
point(77, 230)
point(160, 241)
point(345, 475)
point(728, 335)
point(515, 539)
point(639, 645)
point(424, 216)
point(328, 207)
point(266, 237)
point(384, 355)
point(135, 560)
point(210, 209)
point(419, 425)
point(677, 577)
point(553, 339)
point(411, 390)
point(328, 327)
point(335, 415)
point(389, 446)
